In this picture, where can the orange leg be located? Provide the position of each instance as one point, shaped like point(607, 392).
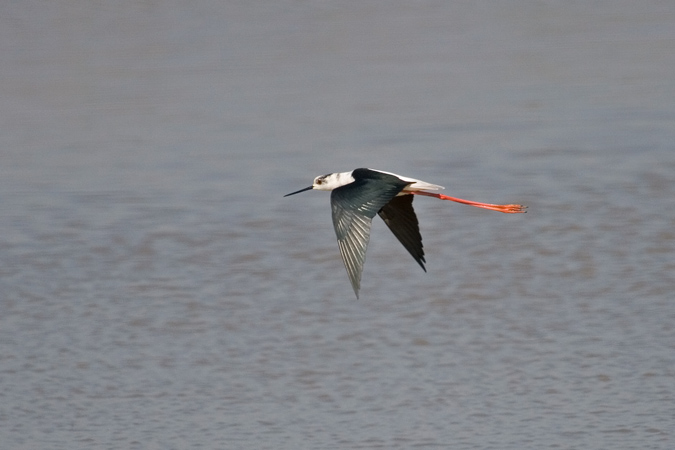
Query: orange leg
point(510, 209)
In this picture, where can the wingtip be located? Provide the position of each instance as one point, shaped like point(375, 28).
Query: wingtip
point(357, 288)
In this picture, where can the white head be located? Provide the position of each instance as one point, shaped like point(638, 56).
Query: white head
point(328, 182)
point(332, 181)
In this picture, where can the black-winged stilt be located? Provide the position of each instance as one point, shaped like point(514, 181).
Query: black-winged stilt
point(360, 194)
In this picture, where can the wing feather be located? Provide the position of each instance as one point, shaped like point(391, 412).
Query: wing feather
point(353, 207)
point(401, 219)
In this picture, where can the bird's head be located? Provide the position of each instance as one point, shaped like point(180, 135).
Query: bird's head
point(328, 182)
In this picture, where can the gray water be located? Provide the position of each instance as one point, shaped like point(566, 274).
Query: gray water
point(157, 292)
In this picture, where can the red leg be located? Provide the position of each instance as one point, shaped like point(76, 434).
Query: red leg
point(510, 209)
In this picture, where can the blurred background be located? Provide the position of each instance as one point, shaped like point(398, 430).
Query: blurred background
point(156, 290)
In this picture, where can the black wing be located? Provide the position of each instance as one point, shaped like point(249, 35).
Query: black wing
point(400, 217)
point(354, 206)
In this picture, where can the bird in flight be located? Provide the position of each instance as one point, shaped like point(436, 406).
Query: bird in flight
point(360, 194)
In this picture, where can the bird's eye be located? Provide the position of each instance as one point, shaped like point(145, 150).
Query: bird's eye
point(319, 181)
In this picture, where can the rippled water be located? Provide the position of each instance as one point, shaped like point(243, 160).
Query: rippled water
point(156, 291)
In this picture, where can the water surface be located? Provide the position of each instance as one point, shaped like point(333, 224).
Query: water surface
point(158, 292)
